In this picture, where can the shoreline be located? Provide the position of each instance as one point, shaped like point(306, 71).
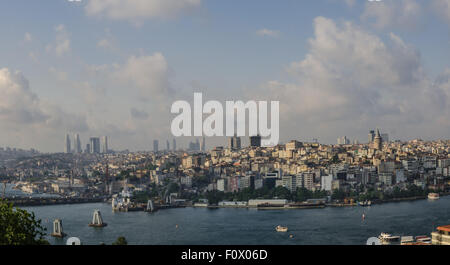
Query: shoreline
point(36, 202)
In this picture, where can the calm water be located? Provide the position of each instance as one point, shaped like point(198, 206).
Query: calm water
point(248, 226)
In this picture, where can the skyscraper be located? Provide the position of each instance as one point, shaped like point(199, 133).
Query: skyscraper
point(77, 144)
point(155, 145)
point(174, 145)
point(197, 145)
point(95, 145)
point(167, 145)
point(67, 148)
point(203, 145)
point(371, 136)
point(234, 142)
point(343, 140)
point(105, 144)
point(255, 141)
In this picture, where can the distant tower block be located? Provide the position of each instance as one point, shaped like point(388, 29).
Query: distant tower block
point(97, 220)
point(58, 229)
point(150, 206)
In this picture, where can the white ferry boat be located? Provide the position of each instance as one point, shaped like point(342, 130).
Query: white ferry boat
point(433, 196)
point(386, 238)
point(281, 228)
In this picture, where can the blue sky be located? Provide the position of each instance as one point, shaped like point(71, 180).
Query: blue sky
point(216, 47)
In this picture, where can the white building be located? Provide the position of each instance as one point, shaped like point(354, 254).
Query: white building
point(221, 184)
point(326, 182)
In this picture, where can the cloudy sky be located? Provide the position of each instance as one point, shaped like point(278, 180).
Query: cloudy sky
point(114, 67)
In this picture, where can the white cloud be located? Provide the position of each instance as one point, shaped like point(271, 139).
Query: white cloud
point(350, 3)
point(17, 103)
point(105, 44)
point(62, 42)
point(442, 8)
point(352, 80)
point(268, 33)
point(138, 10)
point(60, 75)
point(393, 13)
point(33, 57)
point(27, 37)
point(22, 112)
point(138, 114)
point(150, 74)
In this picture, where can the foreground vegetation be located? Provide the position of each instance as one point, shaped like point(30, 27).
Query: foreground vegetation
point(19, 227)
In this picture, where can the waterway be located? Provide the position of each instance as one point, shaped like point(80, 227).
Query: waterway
point(228, 226)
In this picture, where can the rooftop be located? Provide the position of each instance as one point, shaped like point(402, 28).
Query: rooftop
point(444, 228)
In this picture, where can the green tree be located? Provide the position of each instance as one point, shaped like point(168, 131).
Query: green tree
point(335, 159)
point(173, 188)
point(338, 195)
point(121, 241)
point(19, 227)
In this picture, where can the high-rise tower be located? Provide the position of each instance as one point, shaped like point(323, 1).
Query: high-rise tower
point(67, 148)
point(255, 141)
point(105, 144)
point(155, 145)
point(95, 145)
point(203, 145)
point(234, 143)
point(371, 136)
point(77, 144)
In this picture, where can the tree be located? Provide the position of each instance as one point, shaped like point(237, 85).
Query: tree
point(121, 241)
point(19, 227)
point(338, 195)
point(303, 194)
point(335, 159)
point(173, 187)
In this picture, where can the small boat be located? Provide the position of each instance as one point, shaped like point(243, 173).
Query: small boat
point(423, 239)
point(365, 203)
point(281, 228)
point(406, 240)
point(433, 196)
point(385, 237)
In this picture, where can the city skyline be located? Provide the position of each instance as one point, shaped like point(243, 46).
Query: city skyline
point(112, 68)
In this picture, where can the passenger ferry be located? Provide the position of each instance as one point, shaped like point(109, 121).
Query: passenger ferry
point(281, 228)
point(387, 238)
point(433, 196)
